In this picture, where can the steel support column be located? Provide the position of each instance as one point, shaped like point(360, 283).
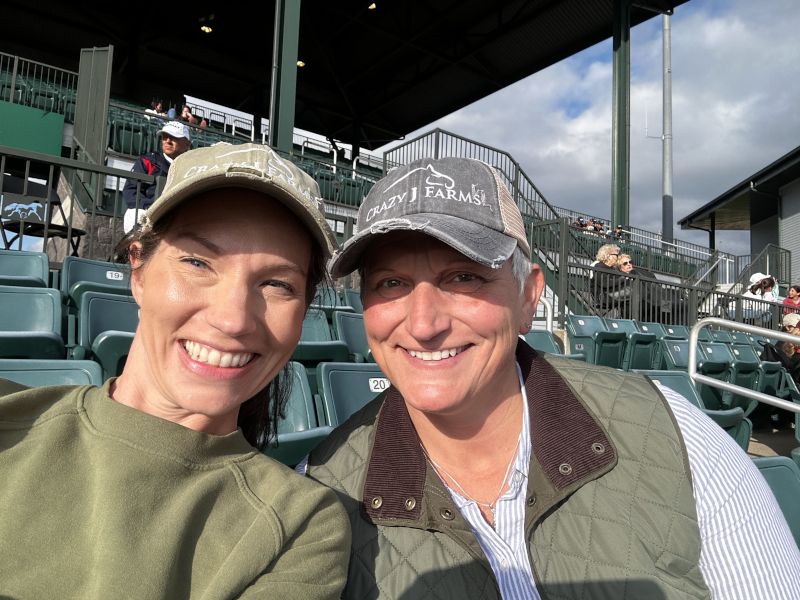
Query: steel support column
point(284, 74)
point(621, 115)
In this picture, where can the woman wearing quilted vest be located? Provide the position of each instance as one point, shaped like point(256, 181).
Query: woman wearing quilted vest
point(489, 470)
point(152, 485)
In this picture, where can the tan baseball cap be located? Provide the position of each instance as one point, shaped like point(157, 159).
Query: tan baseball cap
point(251, 166)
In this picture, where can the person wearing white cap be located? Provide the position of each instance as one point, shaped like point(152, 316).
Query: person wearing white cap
point(175, 140)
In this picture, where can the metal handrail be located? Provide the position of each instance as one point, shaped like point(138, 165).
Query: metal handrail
point(548, 313)
point(729, 387)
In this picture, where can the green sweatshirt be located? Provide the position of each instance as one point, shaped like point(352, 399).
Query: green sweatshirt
point(98, 500)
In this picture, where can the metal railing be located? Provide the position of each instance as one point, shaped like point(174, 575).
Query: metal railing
point(729, 387)
point(31, 83)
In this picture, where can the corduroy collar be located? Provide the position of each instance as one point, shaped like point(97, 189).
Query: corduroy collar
point(568, 444)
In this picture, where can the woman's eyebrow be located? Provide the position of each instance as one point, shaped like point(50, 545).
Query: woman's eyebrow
point(205, 242)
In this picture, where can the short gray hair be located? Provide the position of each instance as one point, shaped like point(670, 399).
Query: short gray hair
point(521, 267)
point(605, 251)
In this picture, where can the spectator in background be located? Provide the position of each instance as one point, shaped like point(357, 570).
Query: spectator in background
point(792, 300)
point(760, 292)
point(175, 140)
point(156, 108)
point(187, 116)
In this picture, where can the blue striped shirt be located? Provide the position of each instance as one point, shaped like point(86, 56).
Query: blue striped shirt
point(747, 550)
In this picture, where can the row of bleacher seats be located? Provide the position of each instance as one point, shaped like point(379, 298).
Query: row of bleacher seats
point(49, 96)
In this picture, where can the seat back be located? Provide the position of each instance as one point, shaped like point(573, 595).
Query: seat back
point(346, 388)
point(783, 477)
point(353, 298)
point(588, 335)
point(300, 413)
point(315, 327)
point(350, 330)
point(642, 349)
point(543, 341)
point(676, 332)
point(721, 335)
point(20, 267)
point(35, 373)
point(80, 275)
point(656, 329)
point(30, 323)
point(101, 312)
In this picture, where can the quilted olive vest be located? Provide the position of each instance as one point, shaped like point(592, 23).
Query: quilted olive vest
point(609, 507)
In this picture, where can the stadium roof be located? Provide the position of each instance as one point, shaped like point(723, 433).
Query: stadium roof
point(370, 75)
point(750, 201)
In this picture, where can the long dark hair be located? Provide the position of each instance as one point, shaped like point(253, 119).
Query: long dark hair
point(258, 416)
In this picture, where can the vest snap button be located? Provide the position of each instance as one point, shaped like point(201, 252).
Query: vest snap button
point(565, 469)
point(410, 504)
point(377, 502)
point(598, 448)
point(447, 514)
point(531, 500)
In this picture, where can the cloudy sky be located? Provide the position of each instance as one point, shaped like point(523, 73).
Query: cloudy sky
point(736, 108)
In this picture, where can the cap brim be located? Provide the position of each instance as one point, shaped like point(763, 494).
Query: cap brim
point(269, 188)
point(477, 242)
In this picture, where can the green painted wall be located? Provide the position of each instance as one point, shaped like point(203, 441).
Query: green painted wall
point(31, 129)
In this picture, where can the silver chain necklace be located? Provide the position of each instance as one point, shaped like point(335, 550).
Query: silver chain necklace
point(490, 505)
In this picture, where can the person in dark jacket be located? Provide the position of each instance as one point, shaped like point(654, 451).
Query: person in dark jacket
point(175, 140)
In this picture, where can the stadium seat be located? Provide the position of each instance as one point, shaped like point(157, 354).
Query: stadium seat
point(546, 341)
point(106, 325)
point(588, 335)
point(20, 267)
point(31, 323)
point(353, 298)
point(81, 275)
point(298, 432)
point(347, 387)
point(350, 330)
point(783, 477)
point(741, 372)
point(641, 351)
point(656, 329)
point(731, 420)
point(327, 300)
point(35, 373)
point(317, 345)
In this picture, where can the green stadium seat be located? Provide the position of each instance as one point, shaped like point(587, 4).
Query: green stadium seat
point(676, 332)
point(588, 335)
point(353, 298)
point(347, 387)
point(35, 373)
point(721, 335)
point(657, 329)
point(298, 431)
point(742, 372)
point(24, 268)
point(642, 349)
point(546, 341)
point(731, 420)
point(739, 338)
point(350, 330)
point(31, 323)
point(328, 300)
point(106, 325)
point(783, 477)
point(81, 275)
point(317, 345)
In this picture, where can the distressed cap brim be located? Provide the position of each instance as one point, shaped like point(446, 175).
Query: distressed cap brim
point(477, 242)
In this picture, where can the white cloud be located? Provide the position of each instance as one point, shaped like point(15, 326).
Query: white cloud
point(735, 82)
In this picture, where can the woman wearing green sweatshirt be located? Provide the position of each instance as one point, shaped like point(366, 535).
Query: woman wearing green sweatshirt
point(152, 486)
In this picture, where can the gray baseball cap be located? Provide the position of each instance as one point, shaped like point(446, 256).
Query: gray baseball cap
point(252, 166)
point(459, 201)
